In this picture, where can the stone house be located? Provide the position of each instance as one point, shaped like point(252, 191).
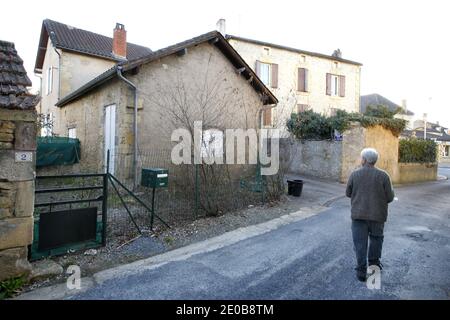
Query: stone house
point(68, 57)
point(17, 169)
point(377, 99)
point(301, 79)
point(202, 78)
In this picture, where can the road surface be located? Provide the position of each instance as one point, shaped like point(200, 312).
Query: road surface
point(312, 259)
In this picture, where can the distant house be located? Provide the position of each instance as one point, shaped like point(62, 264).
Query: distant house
point(377, 99)
point(202, 78)
point(301, 79)
point(68, 57)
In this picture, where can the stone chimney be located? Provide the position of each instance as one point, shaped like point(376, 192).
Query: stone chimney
point(221, 26)
point(119, 48)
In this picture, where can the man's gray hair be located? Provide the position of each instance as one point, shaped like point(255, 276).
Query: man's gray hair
point(370, 155)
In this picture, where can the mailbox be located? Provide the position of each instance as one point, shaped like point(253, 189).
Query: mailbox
point(154, 177)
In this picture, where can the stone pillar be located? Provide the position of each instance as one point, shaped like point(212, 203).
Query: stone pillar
point(17, 171)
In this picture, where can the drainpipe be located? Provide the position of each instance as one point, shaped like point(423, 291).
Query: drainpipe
point(135, 129)
point(59, 72)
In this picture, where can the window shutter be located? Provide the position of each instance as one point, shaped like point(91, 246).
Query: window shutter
point(328, 90)
point(267, 118)
point(302, 80)
point(274, 79)
point(258, 68)
point(342, 86)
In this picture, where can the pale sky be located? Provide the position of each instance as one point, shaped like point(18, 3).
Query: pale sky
point(404, 45)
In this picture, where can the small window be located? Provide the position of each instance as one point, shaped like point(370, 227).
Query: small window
point(336, 64)
point(73, 133)
point(266, 51)
point(49, 84)
point(303, 58)
point(302, 108)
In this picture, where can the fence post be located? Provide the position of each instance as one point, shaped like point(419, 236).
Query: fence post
point(105, 201)
point(196, 192)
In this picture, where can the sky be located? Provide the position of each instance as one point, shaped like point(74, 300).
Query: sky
point(404, 45)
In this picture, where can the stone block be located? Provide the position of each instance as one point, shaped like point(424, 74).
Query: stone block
point(6, 145)
point(24, 204)
point(6, 137)
point(18, 115)
point(25, 136)
point(7, 126)
point(16, 232)
point(15, 171)
point(44, 269)
point(13, 263)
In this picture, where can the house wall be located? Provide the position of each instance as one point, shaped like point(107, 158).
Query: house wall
point(287, 94)
point(203, 76)
point(70, 71)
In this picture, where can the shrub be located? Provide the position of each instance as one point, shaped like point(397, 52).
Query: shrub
point(417, 150)
point(310, 125)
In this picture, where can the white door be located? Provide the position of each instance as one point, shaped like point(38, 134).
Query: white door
point(110, 136)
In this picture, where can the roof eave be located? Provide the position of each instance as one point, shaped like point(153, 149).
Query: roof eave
point(316, 54)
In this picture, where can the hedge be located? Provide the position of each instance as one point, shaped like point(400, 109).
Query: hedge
point(417, 150)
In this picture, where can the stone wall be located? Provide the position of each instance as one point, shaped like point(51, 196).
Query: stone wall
point(336, 160)
point(17, 165)
point(417, 172)
point(313, 158)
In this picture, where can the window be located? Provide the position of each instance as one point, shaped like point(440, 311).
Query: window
point(267, 117)
point(266, 51)
point(335, 85)
point(302, 58)
point(265, 73)
point(302, 80)
point(73, 133)
point(47, 125)
point(446, 151)
point(49, 76)
point(212, 144)
point(268, 73)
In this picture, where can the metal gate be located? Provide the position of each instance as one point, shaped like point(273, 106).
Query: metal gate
point(70, 214)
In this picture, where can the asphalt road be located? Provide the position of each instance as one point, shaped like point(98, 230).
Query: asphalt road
point(312, 259)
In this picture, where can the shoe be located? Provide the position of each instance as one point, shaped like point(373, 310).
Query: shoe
point(376, 263)
point(361, 276)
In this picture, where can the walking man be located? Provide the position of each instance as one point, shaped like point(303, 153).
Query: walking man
point(370, 190)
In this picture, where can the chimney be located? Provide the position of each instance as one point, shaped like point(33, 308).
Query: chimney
point(404, 106)
point(119, 48)
point(221, 26)
point(337, 53)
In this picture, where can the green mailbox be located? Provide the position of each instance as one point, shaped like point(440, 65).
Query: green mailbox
point(155, 177)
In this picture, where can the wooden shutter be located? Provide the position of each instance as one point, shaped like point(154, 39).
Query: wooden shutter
point(274, 82)
point(267, 117)
point(258, 68)
point(328, 90)
point(342, 86)
point(302, 80)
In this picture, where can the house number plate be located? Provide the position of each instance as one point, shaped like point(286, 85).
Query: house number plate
point(24, 156)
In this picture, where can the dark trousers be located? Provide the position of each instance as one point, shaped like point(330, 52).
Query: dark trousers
point(367, 234)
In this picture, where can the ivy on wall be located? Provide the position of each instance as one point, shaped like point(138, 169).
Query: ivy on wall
point(310, 125)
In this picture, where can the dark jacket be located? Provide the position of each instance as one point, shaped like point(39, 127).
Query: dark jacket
point(370, 190)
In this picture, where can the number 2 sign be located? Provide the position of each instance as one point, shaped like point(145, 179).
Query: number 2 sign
point(24, 156)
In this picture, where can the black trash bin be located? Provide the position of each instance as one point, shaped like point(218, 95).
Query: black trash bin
point(295, 187)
